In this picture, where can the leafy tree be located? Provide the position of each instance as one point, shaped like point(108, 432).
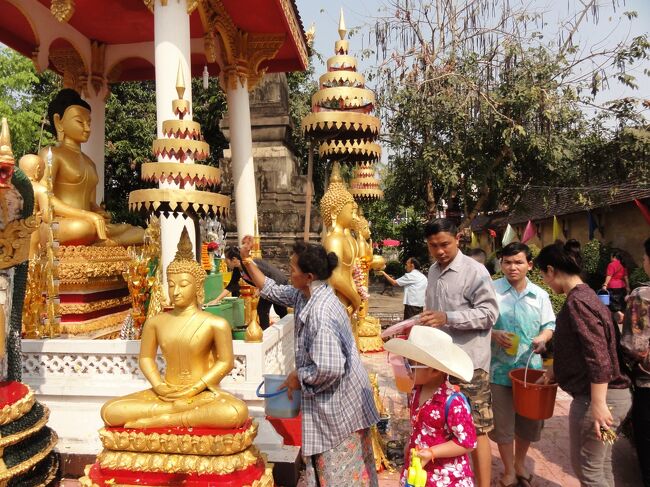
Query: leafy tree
point(475, 102)
point(24, 96)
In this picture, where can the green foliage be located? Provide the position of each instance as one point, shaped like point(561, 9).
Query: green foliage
point(24, 96)
point(638, 277)
point(394, 268)
point(591, 256)
point(412, 243)
point(380, 215)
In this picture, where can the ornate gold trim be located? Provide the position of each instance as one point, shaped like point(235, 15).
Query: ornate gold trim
point(350, 97)
point(197, 174)
point(365, 126)
point(296, 31)
point(81, 308)
point(200, 201)
point(91, 253)
point(138, 441)
point(242, 52)
point(97, 65)
point(71, 271)
point(62, 10)
point(182, 464)
point(11, 412)
point(26, 465)
point(14, 241)
point(76, 286)
point(181, 107)
point(15, 438)
point(368, 151)
point(182, 129)
point(342, 62)
point(265, 481)
point(105, 323)
point(342, 78)
point(366, 193)
point(179, 148)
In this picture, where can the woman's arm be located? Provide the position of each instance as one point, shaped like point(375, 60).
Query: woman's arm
point(222, 295)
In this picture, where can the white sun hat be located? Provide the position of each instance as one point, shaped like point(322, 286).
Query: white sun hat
point(434, 348)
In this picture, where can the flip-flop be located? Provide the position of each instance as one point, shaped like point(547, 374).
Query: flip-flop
point(525, 481)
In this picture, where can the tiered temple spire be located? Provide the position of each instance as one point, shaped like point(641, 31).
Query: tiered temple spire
point(342, 121)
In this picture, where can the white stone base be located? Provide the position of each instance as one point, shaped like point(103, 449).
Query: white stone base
point(74, 378)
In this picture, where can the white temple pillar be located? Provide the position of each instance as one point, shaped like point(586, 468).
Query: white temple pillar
point(172, 45)
point(241, 146)
point(96, 144)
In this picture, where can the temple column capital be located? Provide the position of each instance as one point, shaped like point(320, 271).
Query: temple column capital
point(239, 53)
point(190, 4)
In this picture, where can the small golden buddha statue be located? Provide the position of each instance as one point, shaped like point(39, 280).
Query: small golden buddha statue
point(339, 212)
point(197, 348)
point(74, 179)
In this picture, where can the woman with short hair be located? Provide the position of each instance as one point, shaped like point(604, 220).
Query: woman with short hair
point(338, 407)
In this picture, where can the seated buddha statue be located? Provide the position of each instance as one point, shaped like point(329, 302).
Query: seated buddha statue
point(339, 213)
point(74, 179)
point(197, 348)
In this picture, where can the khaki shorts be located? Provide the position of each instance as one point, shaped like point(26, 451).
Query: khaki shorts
point(507, 423)
point(480, 398)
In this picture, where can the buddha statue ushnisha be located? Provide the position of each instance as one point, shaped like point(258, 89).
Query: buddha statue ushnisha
point(197, 348)
point(339, 212)
point(74, 179)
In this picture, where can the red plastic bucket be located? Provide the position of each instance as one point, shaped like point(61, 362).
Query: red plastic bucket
point(533, 401)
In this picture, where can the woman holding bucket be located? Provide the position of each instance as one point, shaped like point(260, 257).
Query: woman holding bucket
point(586, 365)
point(338, 407)
point(526, 322)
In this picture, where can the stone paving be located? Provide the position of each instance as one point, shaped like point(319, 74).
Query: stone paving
point(549, 458)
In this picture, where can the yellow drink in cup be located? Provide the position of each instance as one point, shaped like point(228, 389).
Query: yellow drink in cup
point(514, 339)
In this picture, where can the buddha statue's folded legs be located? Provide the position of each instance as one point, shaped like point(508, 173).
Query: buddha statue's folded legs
point(146, 409)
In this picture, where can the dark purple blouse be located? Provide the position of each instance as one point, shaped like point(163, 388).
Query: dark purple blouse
point(585, 344)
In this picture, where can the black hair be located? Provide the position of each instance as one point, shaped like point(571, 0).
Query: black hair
point(232, 252)
point(515, 248)
point(314, 259)
point(646, 245)
point(476, 251)
point(65, 98)
point(440, 225)
point(565, 258)
point(415, 262)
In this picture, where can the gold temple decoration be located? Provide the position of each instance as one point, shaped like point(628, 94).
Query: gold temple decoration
point(62, 10)
point(243, 52)
point(153, 442)
point(191, 4)
point(18, 409)
point(342, 121)
point(182, 144)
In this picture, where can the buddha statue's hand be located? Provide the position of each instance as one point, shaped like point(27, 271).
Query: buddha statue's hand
point(186, 392)
point(163, 389)
point(100, 225)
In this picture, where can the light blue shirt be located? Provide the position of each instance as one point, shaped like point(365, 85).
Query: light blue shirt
point(526, 314)
point(415, 287)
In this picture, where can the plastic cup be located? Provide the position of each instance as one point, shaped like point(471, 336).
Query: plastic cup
point(514, 339)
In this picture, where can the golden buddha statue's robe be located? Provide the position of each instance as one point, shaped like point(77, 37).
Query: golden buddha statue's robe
point(198, 350)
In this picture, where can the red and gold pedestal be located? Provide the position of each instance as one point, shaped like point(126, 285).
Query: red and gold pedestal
point(196, 457)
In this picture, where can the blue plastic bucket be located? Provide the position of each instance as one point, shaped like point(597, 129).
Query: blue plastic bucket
point(604, 296)
point(276, 401)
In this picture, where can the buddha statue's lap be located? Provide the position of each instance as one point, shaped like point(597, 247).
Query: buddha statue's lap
point(197, 348)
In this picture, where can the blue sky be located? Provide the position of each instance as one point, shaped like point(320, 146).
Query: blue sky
point(612, 28)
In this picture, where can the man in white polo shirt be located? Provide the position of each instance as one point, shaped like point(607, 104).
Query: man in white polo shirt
point(415, 287)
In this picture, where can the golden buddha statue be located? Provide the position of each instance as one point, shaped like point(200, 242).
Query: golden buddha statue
point(74, 179)
point(339, 212)
point(197, 348)
point(34, 168)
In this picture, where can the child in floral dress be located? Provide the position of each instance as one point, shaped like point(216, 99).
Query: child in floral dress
point(442, 428)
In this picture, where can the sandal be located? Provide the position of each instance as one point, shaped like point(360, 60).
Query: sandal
point(525, 481)
point(514, 484)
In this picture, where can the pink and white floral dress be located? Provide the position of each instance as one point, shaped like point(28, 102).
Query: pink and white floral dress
point(429, 429)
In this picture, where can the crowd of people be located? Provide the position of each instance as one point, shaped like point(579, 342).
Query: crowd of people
point(471, 332)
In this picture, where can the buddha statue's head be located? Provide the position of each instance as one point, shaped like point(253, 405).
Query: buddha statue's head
point(33, 166)
point(337, 205)
point(185, 276)
point(69, 116)
point(362, 226)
